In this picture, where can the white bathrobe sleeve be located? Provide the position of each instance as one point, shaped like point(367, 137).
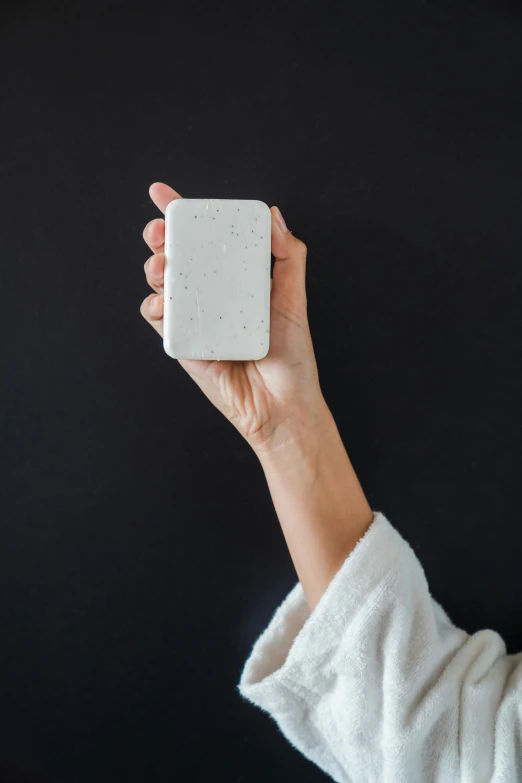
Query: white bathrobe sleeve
point(377, 685)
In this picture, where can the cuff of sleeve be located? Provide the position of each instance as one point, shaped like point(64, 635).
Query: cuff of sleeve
point(288, 671)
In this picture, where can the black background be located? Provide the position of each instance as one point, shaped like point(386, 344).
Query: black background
point(140, 556)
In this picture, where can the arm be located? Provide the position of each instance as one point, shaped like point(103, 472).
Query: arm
point(318, 499)
point(278, 407)
point(361, 668)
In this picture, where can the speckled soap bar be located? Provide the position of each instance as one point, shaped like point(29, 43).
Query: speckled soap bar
point(217, 279)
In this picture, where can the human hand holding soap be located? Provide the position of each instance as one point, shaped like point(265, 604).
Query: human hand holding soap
point(257, 395)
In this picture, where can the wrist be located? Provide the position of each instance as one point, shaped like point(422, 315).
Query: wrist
point(296, 439)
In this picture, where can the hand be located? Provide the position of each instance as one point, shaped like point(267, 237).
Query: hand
point(258, 397)
point(277, 405)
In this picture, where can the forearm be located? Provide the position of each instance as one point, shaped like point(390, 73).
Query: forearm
point(318, 499)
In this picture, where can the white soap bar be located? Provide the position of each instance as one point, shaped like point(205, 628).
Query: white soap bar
point(217, 279)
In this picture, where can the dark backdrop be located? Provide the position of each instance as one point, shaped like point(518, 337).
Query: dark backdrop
point(139, 553)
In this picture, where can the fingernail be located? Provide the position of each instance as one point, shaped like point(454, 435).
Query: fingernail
point(152, 302)
point(280, 222)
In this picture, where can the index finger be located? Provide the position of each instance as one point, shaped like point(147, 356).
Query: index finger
point(162, 195)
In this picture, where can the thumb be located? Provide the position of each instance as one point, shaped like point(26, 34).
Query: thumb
point(290, 256)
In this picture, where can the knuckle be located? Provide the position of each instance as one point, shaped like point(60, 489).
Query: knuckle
point(300, 247)
point(144, 306)
point(159, 268)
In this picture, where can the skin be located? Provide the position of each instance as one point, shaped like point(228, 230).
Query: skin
point(277, 405)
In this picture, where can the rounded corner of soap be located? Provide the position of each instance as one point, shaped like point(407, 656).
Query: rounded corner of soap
point(168, 348)
point(263, 354)
point(171, 206)
point(262, 204)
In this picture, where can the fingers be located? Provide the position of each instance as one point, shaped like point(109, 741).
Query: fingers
point(290, 255)
point(162, 195)
point(285, 246)
point(154, 235)
point(154, 272)
point(152, 310)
